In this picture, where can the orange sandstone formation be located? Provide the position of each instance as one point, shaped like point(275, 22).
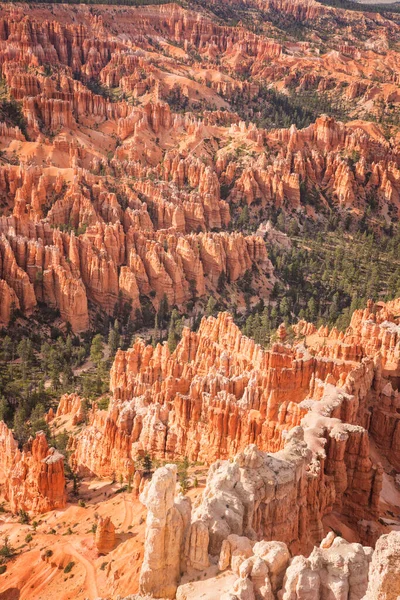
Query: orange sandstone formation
point(105, 535)
point(125, 177)
point(117, 198)
point(219, 392)
point(71, 404)
point(34, 478)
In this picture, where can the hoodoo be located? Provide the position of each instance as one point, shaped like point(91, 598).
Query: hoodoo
point(199, 300)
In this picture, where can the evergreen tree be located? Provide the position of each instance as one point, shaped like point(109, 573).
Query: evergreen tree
point(183, 474)
point(114, 339)
point(334, 308)
point(37, 420)
point(156, 335)
point(4, 409)
point(173, 335)
point(221, 282)
point(25, 352)
point(244, 218)
point(54, 368)
point(45, 351)
point(7, 349)
point(96, 350)
point(210, 308)
point(312, 310)
point(147, 464)
point(163, 310)
point(20, 427)
point(67, 373)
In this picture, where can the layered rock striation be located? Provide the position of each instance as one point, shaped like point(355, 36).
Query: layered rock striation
point(308, 411)
point(133, 165)
point(34, 478)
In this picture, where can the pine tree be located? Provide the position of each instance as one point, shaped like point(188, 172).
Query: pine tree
point(210, 308)
point(45, 350)
point(76, 483)
point(54, 368)
point(221, 282)
point(25, 352)
point(68, 374)
point(20, 427)
point(163, 310)
point(96, 349)
point(312, 310)
point(156, 335)
point(114, 339)
point(4, 409)
point(68, 352)
point(37, 421)
point(172, 331)
point(7, 349)
point(243, 219)
point(183, 474)
point(334, 308)
point(147, 463)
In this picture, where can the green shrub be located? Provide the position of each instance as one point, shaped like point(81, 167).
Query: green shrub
point(69, 567)
point(23, 517)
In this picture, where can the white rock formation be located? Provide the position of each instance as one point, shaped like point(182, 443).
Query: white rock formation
point(337, 570)
point(384, 570)
point(165, 528)
point(257, 495)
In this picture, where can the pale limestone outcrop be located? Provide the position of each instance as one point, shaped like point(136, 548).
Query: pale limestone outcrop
point(257, 495)
point(174, 542)
point(336, 570)
point(384, 570)
point(160, 572)
point(260, 567)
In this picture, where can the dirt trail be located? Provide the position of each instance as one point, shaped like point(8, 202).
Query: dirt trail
point(90, 579)
point(128, 515)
